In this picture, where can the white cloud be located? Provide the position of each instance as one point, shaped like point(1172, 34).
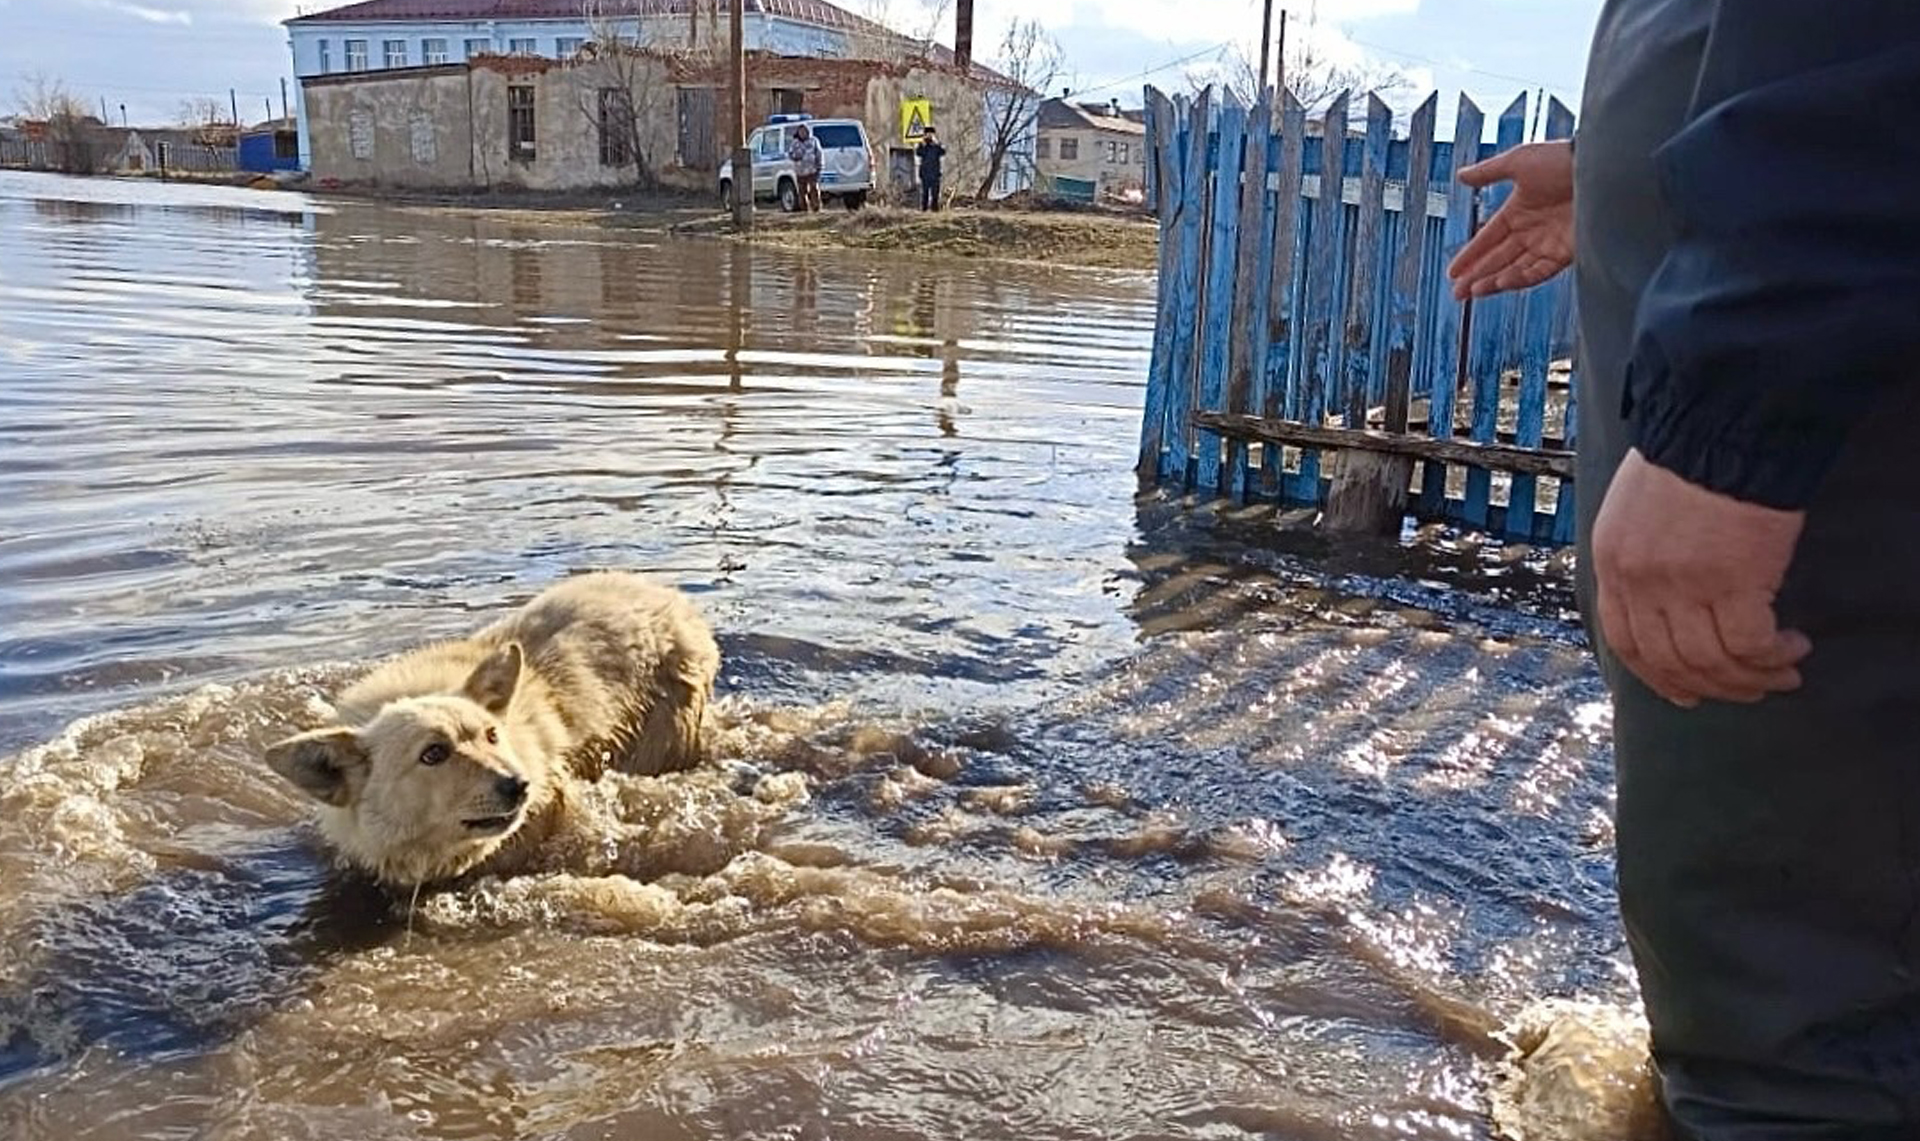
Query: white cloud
point(1184, 21)
point(150, 15)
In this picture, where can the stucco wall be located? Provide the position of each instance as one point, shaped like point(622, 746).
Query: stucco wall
point(407, 130)
point(447, 128)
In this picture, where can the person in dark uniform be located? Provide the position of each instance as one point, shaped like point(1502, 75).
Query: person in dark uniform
point(930, 152)
point(1744, 216)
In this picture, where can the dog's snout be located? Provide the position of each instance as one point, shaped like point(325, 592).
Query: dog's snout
point(512, 789)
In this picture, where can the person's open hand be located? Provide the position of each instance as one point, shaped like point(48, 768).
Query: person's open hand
point(1687, 579)
point(1530, 238)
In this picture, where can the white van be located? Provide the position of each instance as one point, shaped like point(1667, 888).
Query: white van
point(846, 162)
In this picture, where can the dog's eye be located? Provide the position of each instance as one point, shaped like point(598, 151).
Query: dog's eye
point(434, 754)
point(493, 735)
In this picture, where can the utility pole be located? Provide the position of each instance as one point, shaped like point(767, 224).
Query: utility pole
point(123, 114)
point(283, 97)
point(103, 109)
point(1266, 44)
point(234, 98)
point(963, 36)
point(737, 122)
point(1280, 56)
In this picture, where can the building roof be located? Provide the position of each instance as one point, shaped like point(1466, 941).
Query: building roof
point(1060, 114)
point(406, 11)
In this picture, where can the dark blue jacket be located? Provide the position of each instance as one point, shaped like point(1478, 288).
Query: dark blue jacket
point(1789, 303)
point(930, 153)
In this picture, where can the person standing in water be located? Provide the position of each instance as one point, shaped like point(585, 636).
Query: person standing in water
point(1745, 228)
point(931, 153)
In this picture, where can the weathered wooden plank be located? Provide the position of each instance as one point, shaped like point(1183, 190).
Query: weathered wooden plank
point(1565, 519)
point(1368, 493)
point(1444, 378)
point(1283, 287)
point(1404, 316)
point(1187, 311)
point(1355, 387)
point(1540, 310)
point(1248, 351)
point(1494, 325)
point(1560, 125)
point(1223, 245)
point(1324, 300)
point(1495, 457)
point(1162, 134)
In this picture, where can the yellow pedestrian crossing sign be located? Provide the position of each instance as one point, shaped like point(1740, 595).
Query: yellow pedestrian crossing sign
point(916, 115)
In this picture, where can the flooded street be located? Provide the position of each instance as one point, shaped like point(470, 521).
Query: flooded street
point(1041, 812)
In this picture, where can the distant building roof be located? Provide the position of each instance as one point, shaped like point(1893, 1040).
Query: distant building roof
point(407, 11)
point(1060, 114)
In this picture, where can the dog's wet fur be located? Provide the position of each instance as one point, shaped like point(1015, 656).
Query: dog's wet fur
point(458, 757)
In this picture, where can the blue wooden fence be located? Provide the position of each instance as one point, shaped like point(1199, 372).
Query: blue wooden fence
point(1289, 326)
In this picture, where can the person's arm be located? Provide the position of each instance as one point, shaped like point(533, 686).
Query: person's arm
point(1790, 301)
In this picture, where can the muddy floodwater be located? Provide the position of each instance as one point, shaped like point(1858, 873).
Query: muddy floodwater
point(1040, 811)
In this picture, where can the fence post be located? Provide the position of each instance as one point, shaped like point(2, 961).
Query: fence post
point(1249, 347)
point(1162, 133)
point(1217, 319)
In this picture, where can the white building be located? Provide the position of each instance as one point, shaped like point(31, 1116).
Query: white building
point(379, 34)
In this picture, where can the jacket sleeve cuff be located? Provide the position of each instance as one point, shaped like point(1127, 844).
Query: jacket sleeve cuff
point(1745, 447)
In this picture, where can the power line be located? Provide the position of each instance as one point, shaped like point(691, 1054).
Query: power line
point(1134, 77)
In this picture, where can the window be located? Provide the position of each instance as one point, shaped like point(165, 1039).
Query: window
point(788, 101)
point(616, 126)
point(523, 47)
point(433, 52)
point(1070, 150)
point(356, 55)
point(395, 53)
point(478, 47)
point(520, 123)
point(1126, 153)
point(698, 149)
point(773, 144)
point(566, 47)
point(286, 146)
point(326, 57)
point(1043, 149)
point(840, 136)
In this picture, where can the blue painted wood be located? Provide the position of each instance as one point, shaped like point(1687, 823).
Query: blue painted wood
point(1362, 296)
point(1324, 307)
point(1222, 270)
point(1565, 518)
point(1537, 307)
point(1494, 323)
point(1283, 280)
point(1325, 303)
point(1404, 307)
point(1247, 347)
point(1168, 169)
point(1540, 307)
point(1443, 376)
point(1186, 341)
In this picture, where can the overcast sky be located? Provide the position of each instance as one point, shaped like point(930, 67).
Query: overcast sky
point(153, 54)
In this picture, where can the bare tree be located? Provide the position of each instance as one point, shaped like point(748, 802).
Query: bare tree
point(624, 79)
point(901, 28)
point(1314, 77)
point(1030, 61)
point(45, 101)
point(208, 119)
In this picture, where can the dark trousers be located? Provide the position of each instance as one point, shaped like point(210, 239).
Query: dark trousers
point(1769, 855)
point(930, 193)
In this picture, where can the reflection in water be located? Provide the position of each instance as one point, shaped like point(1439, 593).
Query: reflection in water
point(1036, 811)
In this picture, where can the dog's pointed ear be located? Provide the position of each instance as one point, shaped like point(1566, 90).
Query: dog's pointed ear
point(324, 764)
point(493, 681)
